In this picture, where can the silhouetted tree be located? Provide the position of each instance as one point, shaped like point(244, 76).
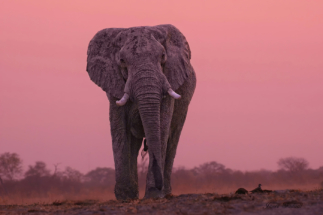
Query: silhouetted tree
point(293, 164)
point(39, 182)
point(10, 166)
point(56, 171)
point(182, 176)
point(210, 168)
point(208, 173)
point(101, 176)
point(39, 170)
point(72, 174)
point(320, 169)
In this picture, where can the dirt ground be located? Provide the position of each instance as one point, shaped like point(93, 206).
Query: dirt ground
point(280, 202)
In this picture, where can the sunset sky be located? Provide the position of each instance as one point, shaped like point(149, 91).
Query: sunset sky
point(259, 67)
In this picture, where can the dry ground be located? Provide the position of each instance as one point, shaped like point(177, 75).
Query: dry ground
point(289, 202)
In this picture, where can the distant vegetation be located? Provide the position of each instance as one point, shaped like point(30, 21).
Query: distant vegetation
point(39, 184)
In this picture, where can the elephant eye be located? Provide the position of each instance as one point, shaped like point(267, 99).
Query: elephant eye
point(122, 60)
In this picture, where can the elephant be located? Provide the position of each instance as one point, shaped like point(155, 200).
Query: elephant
point(140, 68)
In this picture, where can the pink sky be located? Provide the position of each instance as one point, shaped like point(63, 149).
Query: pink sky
point(259, 64)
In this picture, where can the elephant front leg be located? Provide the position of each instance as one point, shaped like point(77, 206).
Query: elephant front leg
point(125, 152)
point(178, 119)
point(176, 129)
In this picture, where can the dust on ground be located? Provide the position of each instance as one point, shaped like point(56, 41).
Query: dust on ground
point(281, 202)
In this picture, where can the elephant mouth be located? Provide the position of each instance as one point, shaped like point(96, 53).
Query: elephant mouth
point(126, 96)
point(145, 72)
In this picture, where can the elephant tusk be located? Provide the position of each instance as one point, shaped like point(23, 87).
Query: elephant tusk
point(173, 94)
point(123, 100)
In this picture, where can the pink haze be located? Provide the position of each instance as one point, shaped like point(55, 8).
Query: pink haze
point(259, 95)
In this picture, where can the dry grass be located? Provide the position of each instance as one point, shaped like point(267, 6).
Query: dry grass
point(295, 202)
point(21, 199)
point(101, 195)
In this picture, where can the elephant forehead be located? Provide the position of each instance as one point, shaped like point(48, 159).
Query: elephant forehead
point(131, 34)
point(138, 30)
point(141, 44)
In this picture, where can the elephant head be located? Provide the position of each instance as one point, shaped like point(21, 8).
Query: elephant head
point(141, 64)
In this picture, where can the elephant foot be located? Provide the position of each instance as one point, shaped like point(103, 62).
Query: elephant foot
point(154, 193)
point(167, 192)
point(126, 193)
point(167, 189)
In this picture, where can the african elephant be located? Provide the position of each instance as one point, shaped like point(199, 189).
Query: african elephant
point(140, 69)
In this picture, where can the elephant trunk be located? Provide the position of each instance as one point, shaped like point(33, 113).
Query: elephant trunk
point(150, 115)
point(148, 94)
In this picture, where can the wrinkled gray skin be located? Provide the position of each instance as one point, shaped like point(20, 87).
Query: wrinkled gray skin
point(143, 62)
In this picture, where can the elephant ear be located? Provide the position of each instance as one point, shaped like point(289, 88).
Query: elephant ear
point(177, 67)
point(102, 67)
